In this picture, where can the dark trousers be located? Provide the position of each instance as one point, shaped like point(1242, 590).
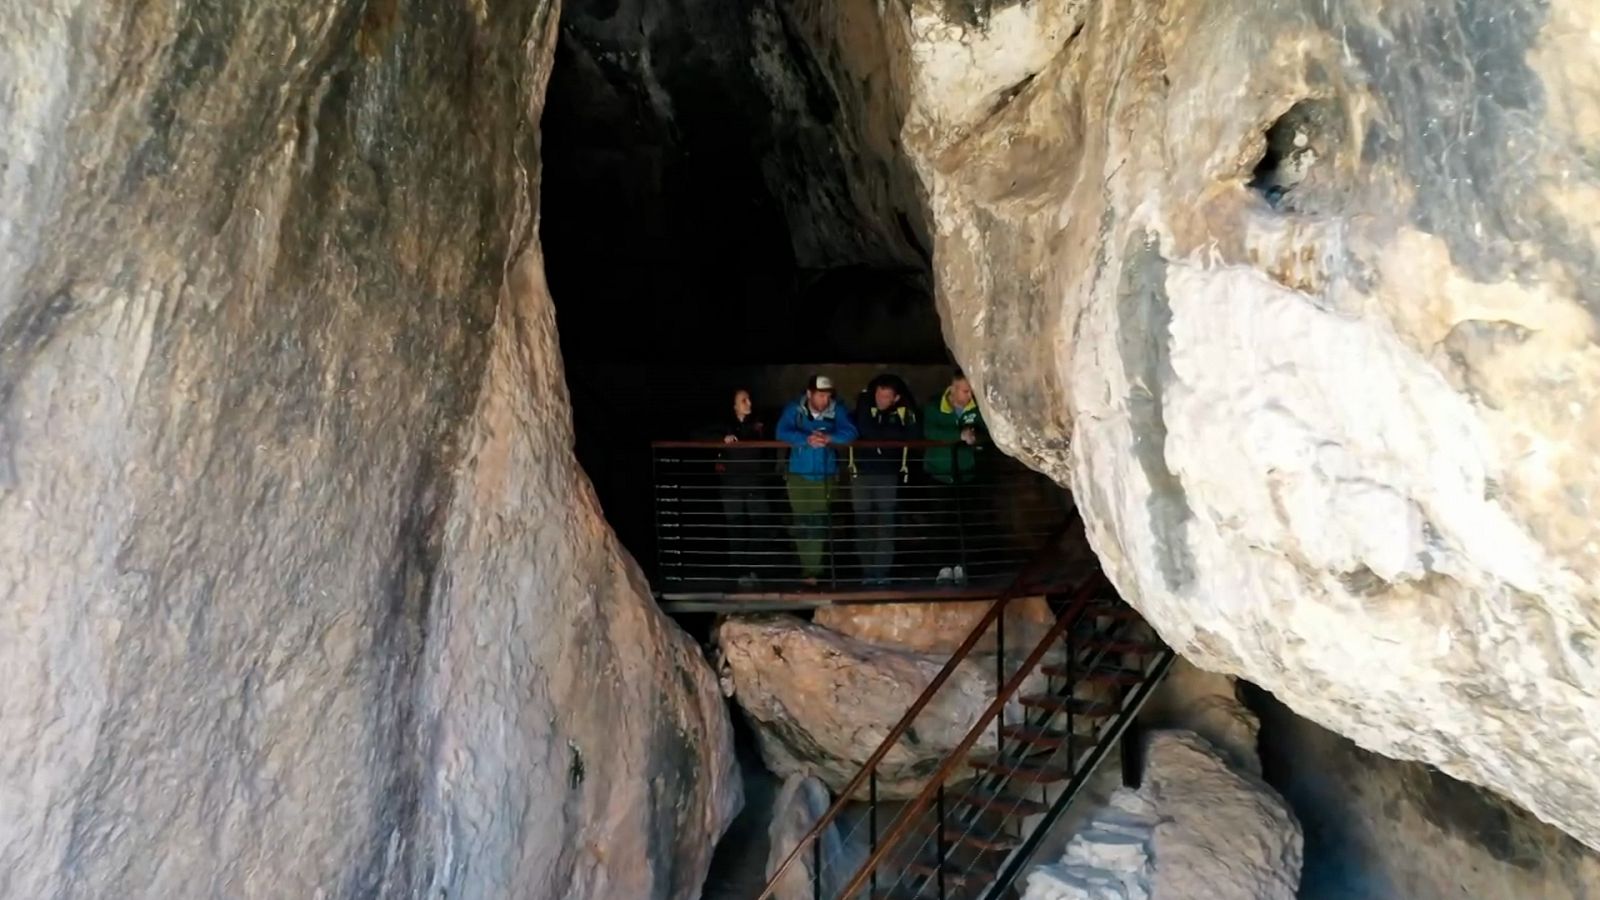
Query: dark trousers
point(956, 520)
point(876, 498)
point(741, 512)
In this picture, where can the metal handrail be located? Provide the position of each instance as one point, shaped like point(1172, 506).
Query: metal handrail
point(935, 785)
point(1022, 584)
point(777, 445)
point(1012, 868)
point(734, 517)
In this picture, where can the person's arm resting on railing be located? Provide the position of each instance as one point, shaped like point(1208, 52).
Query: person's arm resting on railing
point(844, 430)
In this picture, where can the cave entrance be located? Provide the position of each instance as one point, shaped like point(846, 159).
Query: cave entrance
point(706, 223)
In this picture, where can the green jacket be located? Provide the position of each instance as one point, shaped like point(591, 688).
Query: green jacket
point(943, 422)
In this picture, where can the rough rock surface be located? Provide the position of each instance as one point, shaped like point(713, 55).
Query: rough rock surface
point(1195, 830)
point(1300, 298)
point(1381, 829)
point(1208, 704)
point(301, 590)
point(821, 702)
point(800, 803)
point(708, 156)
point(938, 628)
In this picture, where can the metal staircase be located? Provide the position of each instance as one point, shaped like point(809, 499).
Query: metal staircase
point(1058, 710)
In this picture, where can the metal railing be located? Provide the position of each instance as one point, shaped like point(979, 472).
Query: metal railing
point(879, 516)
point(1057, 709)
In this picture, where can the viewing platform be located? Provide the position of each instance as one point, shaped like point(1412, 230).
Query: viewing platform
point(898, 521)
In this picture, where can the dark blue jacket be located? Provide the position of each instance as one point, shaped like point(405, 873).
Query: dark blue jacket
point(796, 424)
point(872, 424)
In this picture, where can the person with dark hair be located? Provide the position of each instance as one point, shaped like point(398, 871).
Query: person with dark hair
point(955, 418)
point(813, 426)
point(885, 412)
point(741, 473)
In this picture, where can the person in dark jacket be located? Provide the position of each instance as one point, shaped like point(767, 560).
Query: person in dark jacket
point(955, 418)
point(742, 474)
point(813, 426)
point(886, 413)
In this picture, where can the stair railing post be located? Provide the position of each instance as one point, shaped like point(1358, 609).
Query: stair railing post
point(1072, 685)
point(961, 514)
point(833, 558)
point(938, 832)
point(1000, 675)
point(872, 823)
point(816, 868)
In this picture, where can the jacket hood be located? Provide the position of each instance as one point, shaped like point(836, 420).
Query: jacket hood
point(830, 412)
point(889, 380)
point(948, 408)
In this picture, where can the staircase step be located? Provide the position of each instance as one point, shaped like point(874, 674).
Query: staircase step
point(1021, 770)
point(976, 876)
point(972, 836)
point(1001, 804)
point(1108, 675)
point(1078, 706)
point(1043, 738)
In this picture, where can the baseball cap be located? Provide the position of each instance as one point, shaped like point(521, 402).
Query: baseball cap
point(820, 383)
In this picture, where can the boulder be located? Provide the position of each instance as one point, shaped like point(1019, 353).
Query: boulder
point(822, 702)
point(1381, 828)
point(1208, 704)
point(1195, 830)
point(302, 592)
point(938, 628)
point(800, 803)
point(1299, 297)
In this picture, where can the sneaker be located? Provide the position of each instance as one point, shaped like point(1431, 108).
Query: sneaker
point(946, 575)
point(959, 574)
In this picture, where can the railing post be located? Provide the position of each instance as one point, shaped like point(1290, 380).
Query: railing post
point(872, 824)
point(1072, 684)
point(1000, 676)
point(656, 487)
point(938, 831)
point(816, 868)
point(961, 514)
point(833, 558)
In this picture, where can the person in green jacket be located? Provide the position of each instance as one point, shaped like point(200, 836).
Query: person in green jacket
point(955, 417)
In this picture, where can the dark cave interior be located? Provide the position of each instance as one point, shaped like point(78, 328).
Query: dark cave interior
point(699, 234)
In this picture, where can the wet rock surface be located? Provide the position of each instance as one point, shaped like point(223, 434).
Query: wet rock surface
point(1299, 298)
point(304, 594)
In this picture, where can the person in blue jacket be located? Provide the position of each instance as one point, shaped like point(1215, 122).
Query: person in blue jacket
point(813, 426)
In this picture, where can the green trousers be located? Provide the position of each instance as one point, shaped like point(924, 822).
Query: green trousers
point(809, 500)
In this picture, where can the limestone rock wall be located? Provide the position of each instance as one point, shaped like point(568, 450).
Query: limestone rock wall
point(301, 592)
point(1299, 298)
point(1378, 828)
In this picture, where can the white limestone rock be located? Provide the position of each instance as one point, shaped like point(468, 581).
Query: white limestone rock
point(1300, 299)
point(1195, 830)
